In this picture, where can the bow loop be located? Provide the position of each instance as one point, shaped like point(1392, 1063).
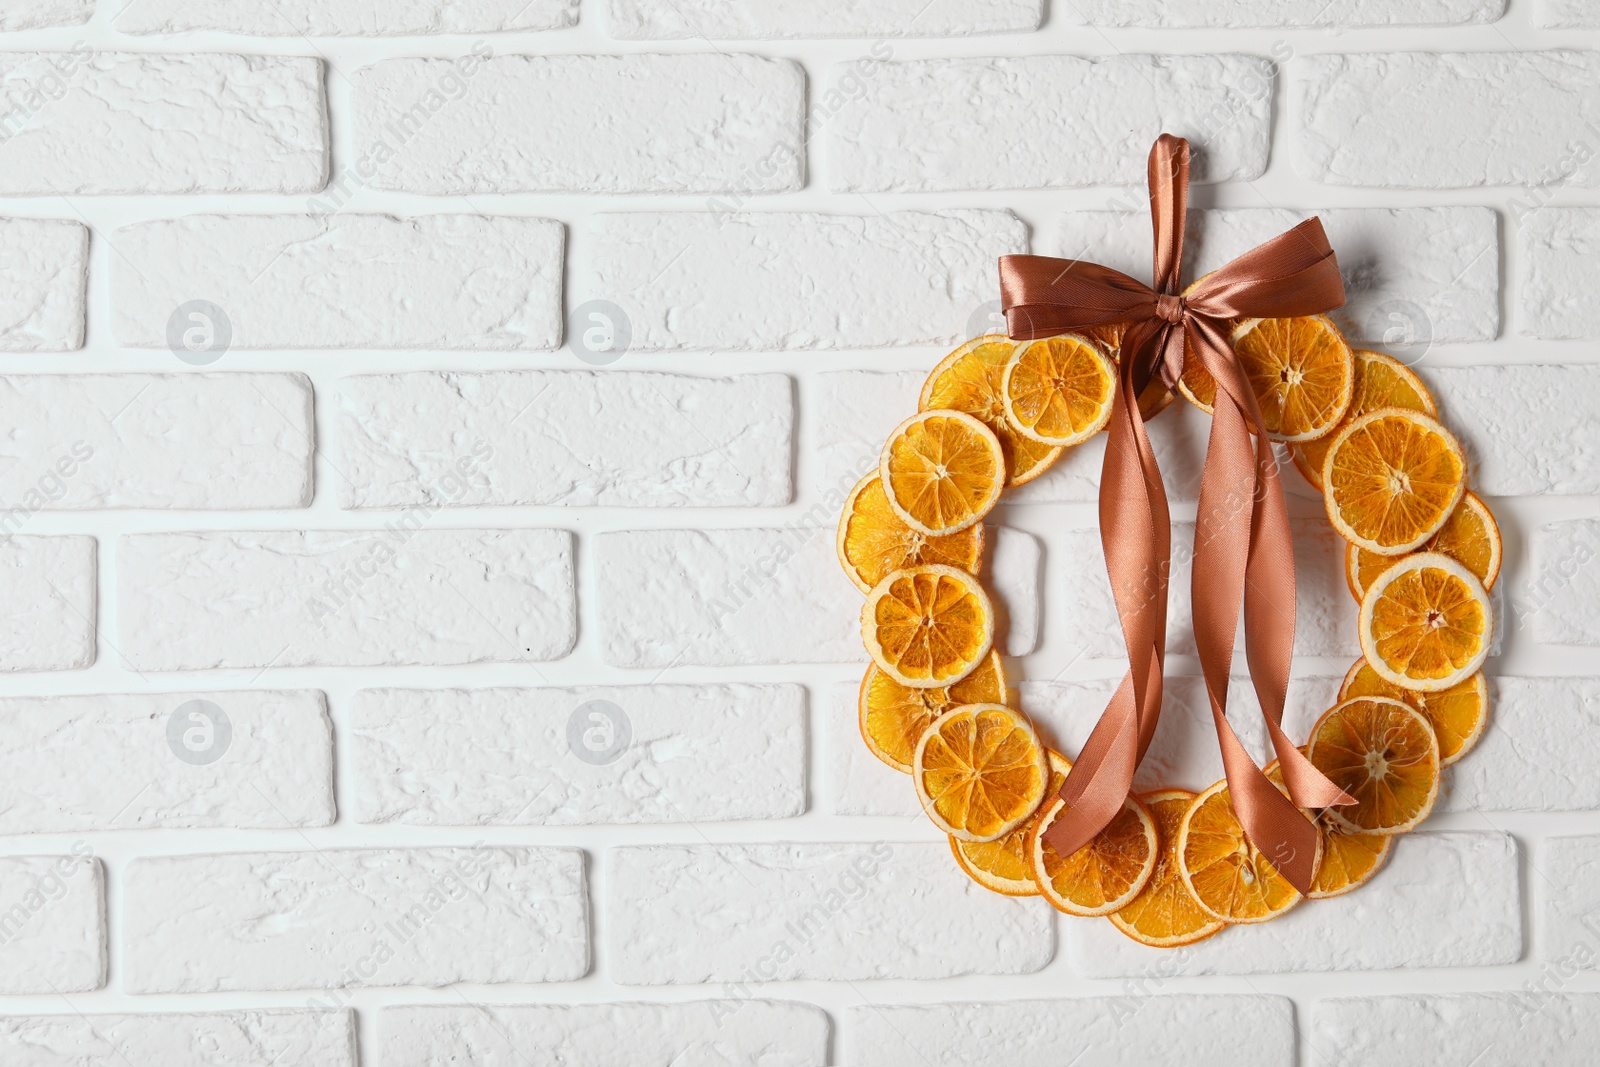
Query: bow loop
point(1243, 558)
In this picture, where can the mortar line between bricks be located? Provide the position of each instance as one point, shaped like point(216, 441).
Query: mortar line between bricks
point(494, 1024)
point(900, 1033)
point(94, 623)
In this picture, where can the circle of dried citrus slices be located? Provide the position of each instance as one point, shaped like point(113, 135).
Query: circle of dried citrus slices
point(1173, 867)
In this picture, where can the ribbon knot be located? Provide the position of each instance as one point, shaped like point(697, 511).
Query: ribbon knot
point(1170, 308)
point(1242, 549)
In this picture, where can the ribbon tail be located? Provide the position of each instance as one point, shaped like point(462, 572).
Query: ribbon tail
point(1135, 530)
point(1244, 558)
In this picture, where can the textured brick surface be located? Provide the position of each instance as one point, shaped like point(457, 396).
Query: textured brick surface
point(1556, 247)
point(34, 14)
point(609, 124)
point(182, 123)
point(1434, 121)
point(511, 437)
point(606, 754)
point(745, 1032)
point(766, 280)
point(1561, 14)
point(656, 20)
point(1185, 14)
point(1537, 752)
point(753, 913)
point(1511, 453)
point(136, 761)
point(1054, 120)
point(347, 18)
point(348, 598)
point(1125, 1031)
point(345, 281)
point(45, 263)
point(1569, 901)
point(1557, 601)
point(50, 583)
point(1559, 1030)
point(1442, 900)
point(241, 1038)
point(52, 923)
point(374, 917)
point(195, 441)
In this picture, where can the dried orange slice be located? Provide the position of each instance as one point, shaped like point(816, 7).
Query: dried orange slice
point(1106, 874)
point(1002, 865)
point(1300, 369)
point(968, 380)
point(1457, 715)
point(1165, 914)
point(1231, 879)
point(1348, 860)
point(1470, 535)
point(1384, 754)
point(942, 471)
point(872, 540)
point(1391, 479)
point(927, 626)
point(1380, 382)
point(1155, 397)
point(1058, 390)
point(980, 771)
point(893, 716)
point(1426, 623)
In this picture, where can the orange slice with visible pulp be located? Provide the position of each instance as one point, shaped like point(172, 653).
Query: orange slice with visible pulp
point(980, 771)
point(927, 626)
point(872, 540)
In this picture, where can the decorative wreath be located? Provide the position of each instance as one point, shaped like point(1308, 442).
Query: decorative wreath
point(1092, 349)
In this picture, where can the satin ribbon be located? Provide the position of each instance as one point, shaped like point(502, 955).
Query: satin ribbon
point(1242, 548)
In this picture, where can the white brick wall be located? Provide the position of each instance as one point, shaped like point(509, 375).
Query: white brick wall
point(452, 603)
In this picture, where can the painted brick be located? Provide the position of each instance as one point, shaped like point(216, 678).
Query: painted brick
point(1569, 902)
point(1197, 14)
point(35, 14)
point(1421, 120)
point(1528, 430)
point(735, 1033)
point(607, 124)
point(666, 20)
point(845, 912)
point(1442, 900)
point(1562, 14)
point(854, 781)
point(1014, 580)
point(1240, 1031)
point(345, 281)
point(345, 918)
point(1556, 248)
point(1055, 121)
point(70, 763)
point(1325, 623)
point(1547, 1028)
point(725, 597)
point(49, 583)
point(1537, 752)
point(46, 265)
point(52, 923)
point(1558, 601)
point(609, 438)
point(856, 410)
point(700, 753)
point(398, 595)
point(775, 281)
point(172, 1039)
point(347, 18)
point(148, 123)
point(191, 441)
point(1443, 262)
point(675, 598)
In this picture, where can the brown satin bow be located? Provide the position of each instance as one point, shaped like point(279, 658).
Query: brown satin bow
point(1242, 549)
